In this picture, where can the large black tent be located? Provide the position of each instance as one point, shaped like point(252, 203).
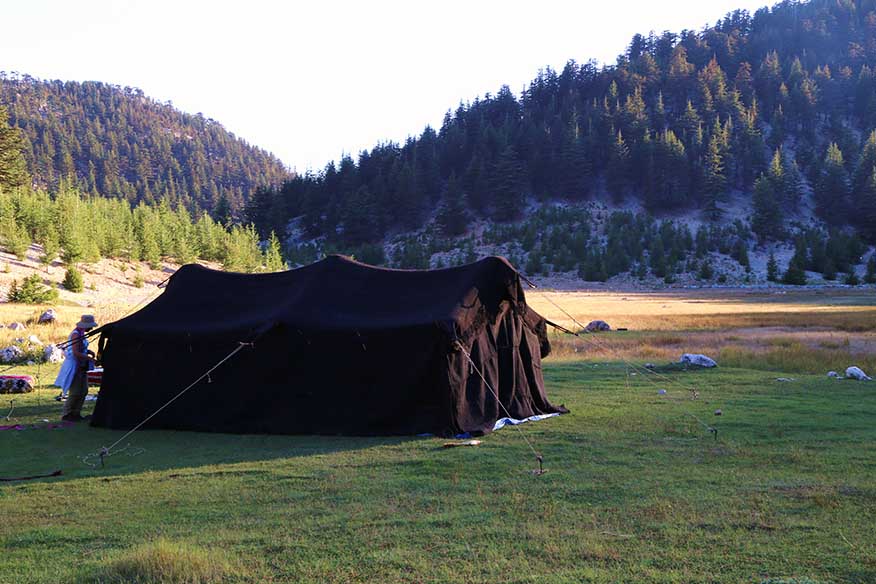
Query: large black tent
point(338, 347)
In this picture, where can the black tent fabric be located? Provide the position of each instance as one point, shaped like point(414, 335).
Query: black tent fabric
point(339, 347)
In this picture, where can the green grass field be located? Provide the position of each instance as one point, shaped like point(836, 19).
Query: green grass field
point(637, 490)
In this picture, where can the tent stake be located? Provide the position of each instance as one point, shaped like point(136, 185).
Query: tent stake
point(541, 470)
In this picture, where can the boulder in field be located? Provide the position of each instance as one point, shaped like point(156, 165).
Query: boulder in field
point(48, 317)
point(697, 359)
point(11, 354)
point(17, 326)
point(856, 373)
point(597, 326)
point(53, 354)
point(833, 374)
point(34, 340)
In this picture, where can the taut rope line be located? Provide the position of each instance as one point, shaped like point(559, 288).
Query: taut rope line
point(591, 336)
point(105, 451)
point(538, 457)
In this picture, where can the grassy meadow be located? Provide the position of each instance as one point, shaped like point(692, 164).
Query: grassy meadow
point(638, 488)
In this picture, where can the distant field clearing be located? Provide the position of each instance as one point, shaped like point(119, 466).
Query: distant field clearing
point(848, 310)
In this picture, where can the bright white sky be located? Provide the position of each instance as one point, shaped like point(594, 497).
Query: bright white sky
point(309, 81)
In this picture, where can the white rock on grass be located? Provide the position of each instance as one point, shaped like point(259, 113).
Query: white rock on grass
point(17, 326)
point(53, 354)
point(48, 316)
point(697, 359)
point(856, 373)
point(833, 374)
point(34, 340)
point(11, 354)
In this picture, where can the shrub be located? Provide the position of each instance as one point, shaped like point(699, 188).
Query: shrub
point(794, 276)
point(73, 280)
point(138, 280)
point(31, 291)
point(852, 278)
point(870, 275)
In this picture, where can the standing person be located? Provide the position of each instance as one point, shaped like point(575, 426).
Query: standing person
point(73, 377)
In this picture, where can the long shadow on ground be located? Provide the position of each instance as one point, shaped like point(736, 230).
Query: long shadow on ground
point(72, 449)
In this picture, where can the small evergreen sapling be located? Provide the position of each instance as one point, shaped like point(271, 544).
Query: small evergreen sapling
point(795, 274)
point(31, 291)
point(72, 280)
point(772, 268)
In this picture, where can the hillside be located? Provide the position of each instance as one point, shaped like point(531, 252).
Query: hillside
point(117, 142)
point(761, 126)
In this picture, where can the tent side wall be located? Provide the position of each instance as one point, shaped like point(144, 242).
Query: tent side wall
point(290, 382)
point(508, 352)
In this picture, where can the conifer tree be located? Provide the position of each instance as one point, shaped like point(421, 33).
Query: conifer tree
point(274, 261)
point(870, 275)
point(795, 274)
point(740, 253)
point(452, 213)
point(73, 246)
point(51, 246)
point(766, 220)
point(832, 188)
point(13, 171)
point(829, 269)
point(866, 163)
point(658, 258)
point(669, 185)
point(507, 186)
point(772, 268)
point(714, 181)
point(361, 217)
point(73, 280)
point(867, 206)
point(617, 171)
point(222, 212)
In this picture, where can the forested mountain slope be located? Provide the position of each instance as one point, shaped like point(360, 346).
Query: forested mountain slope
point(775, 109)
point(116, 142)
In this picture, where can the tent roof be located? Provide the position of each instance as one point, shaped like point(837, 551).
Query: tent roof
point(336, 293)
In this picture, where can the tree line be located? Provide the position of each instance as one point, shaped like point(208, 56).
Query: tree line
point(770, 105)
point(116, 142)
point(82, 228)
point(79, 229)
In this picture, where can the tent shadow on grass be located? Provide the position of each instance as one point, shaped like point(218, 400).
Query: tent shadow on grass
point(42, 451)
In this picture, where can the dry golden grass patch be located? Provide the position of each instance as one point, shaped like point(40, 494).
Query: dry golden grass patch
point(166, 562)
point(55, 332)
point(802, 332)
point(713, 309)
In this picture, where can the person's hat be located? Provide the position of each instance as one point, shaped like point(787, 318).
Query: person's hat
point(86, 322)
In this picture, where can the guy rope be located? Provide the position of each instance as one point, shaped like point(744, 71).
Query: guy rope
point(644, 371)
point(106, 451)
point(538, 457)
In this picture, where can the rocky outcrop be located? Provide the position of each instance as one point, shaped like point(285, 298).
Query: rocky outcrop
point(597, 326)
point(698, 360)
